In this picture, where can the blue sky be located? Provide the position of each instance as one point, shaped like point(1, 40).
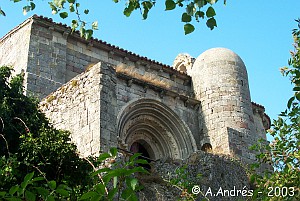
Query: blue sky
point(258, 31)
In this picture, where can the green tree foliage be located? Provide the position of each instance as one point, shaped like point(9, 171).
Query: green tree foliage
point(15, 109)
point(284, 152)
point(31, 146)
point(192, 11)
point(28, 141)
point(115, 180)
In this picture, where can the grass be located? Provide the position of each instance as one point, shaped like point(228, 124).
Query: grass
point(51, 98)
point(74, 83)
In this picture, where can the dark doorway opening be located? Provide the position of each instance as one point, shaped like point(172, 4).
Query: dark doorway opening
point(206, 147)
point(137, 147)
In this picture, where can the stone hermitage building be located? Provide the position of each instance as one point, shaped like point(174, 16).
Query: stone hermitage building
point(110, 97)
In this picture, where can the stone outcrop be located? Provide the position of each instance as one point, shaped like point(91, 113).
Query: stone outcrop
point(219, 177)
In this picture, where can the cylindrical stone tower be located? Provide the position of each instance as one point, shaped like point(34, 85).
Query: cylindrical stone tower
point(220, 82)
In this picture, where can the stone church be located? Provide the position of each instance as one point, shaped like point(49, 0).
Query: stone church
point(110, 97)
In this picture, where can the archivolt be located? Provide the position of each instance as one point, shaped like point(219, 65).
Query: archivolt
point(155, 125)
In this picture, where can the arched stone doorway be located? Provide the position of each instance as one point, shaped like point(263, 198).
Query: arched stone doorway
point(153, 126)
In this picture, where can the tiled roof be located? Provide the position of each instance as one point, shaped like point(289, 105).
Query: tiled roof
point(115, 48)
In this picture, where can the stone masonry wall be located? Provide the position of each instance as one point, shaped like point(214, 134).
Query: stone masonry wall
point(56, 56)
point(86, 106)
point(46, 69)
point(220, 82)
point(14, 47)
point(188, 113)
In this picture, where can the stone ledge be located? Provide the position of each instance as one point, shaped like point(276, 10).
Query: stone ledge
point(188, 100)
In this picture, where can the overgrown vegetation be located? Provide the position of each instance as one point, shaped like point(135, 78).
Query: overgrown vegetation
point(38, 162)
point(283, 154)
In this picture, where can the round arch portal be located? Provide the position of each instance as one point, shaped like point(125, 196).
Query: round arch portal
point(157, 128)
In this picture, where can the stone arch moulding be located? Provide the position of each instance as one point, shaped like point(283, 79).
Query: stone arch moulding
point(159, 129)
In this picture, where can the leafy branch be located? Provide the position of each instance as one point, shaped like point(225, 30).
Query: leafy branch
point(194, 11)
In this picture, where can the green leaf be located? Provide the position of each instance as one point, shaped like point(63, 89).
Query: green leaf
point(113, 151)
point(100, 188)
point(211, 23)
point(95, 25)
point(103, 156)
point(298, 96)
point(133, 183)
point(96, 198)
point(111, 193)
point(141, 161)
point(88, 34)
point(26, 9)
point(52, 184)
point(147, 5)
point(63, 15)
point(188, 28)
point(86, 11)
point(2, 12)
point(200, 3)
point(32, 5)
point(53, 7)
point(30, 196)
point(145, 13)
point(2, 193)
point(170, 4)
point(43, 192)
point(28, 177)
point(74, 24)
point(63, 192)
point(71, 1)
point(129, 195)
point(191, 9)
point(88, 195)
point(137, 169)
point(296, 89)
point(50, 198)
point(213, 1)
point(14, 199)
point(71, 8)
point(210, 12)
point(289, 104)
point(128, 10)
point(115, 182)
point(38, 179)
point(82, 31)
point(186, 18)
point(252, 178)
point(134, 156)
point(13, 189)
point(199, 14)
point(100, 170)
